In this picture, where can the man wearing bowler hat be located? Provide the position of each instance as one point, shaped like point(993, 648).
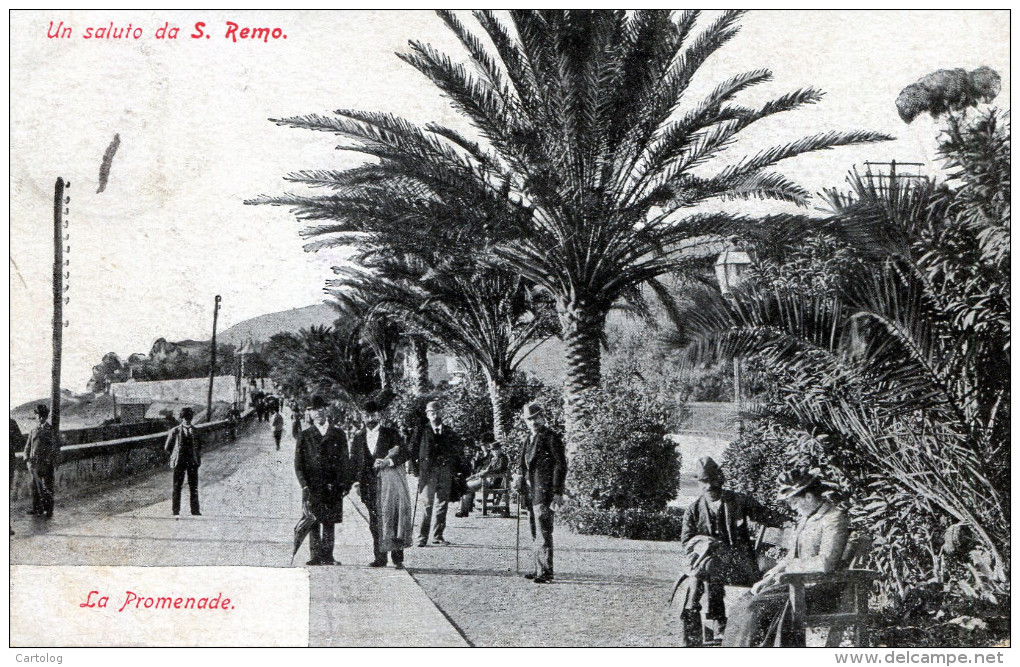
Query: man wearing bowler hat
point(542, 474)
point(717, 550)
point(184, 445)
point(41, 454)
point(323, 466)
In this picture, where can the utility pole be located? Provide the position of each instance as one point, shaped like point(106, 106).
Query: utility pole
point(58, 299)
point(212, 360)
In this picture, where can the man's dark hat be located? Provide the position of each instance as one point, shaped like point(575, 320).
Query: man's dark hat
point(318, 403)
point(372, 406)
point(42, 410)
point(187, 412)
point(487, 438)
point(533, 410)
point(707, 470)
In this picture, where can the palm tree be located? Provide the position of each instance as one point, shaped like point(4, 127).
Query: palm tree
point(488, 317)
point(904, 370)
point(587, 151)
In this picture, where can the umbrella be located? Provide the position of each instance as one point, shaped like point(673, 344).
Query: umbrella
point(303, 527)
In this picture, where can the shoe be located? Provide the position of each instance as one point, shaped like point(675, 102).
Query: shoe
point(330, 562)
point(377, 563)
point(314, 561)
point(542, 579)
point(196, 514)
point(440, 541)
point(48, 515)
point(398, 566)
point(31, 513)
point(460, 515)
point(422, 543)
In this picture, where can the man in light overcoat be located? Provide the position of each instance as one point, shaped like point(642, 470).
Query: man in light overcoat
point(42, 454)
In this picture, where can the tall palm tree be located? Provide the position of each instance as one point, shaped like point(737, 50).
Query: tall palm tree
point(585, 142)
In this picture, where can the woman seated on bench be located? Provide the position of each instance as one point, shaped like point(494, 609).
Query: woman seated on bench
point(816, 545)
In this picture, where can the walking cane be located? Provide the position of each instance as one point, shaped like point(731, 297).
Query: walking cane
point(414, 514)
point(517, 547)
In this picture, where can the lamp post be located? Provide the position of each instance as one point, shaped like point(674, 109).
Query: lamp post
point(212, 359)
point(729, 271)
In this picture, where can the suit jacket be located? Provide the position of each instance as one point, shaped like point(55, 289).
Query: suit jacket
point(434, 451)
point(818, 541)
point(363, 459)
point(323, 466)
point(740, 566)
point(543, 464)
point(184, 457)
point(41, 447)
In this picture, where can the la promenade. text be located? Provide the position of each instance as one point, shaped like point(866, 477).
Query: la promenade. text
point(123, 31)
point(132, 601)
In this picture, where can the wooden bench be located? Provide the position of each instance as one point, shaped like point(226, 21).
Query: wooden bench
point(500, 495)
point(852, 609)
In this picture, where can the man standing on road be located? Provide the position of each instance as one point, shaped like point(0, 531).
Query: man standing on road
point(323, 468)
point(277, 427)
point(542, 473)
point(41, 454)
point(433, 461)
point(184, 445)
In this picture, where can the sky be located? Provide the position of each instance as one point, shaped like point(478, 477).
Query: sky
point(170, 231)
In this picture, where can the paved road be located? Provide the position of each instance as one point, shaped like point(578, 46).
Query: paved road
point(250, 502)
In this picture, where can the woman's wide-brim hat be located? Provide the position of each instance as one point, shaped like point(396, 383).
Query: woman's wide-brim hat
point(533, 410)
point(793, 482)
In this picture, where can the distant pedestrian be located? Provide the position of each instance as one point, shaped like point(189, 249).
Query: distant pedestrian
point(277, 427)
point(435, 457)
point(323, 467)
point(542, 473)
point(184, 444)
point(41, 454)
point(295, 429)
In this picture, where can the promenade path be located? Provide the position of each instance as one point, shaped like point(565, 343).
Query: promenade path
point(250, 503)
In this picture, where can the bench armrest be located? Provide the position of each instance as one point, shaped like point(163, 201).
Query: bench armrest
point(844, 576)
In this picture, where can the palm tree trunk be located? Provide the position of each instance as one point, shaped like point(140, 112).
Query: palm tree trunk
point(500, 418)
point(583, 327)
point(385, 371)
point(420, 361)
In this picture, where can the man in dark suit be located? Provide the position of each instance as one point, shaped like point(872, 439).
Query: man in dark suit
point(184, 445)
point(323, 468)
point(41, 454)
point(374, 443)
point(435, 460)
point(542, 473)
point(718, 550)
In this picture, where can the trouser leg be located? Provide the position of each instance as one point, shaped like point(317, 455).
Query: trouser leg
point(467, 502)
point(427, 497)
point(328, 539)
point(315, 542)
point(398, 556)
point(443, 478)
point(47, 489)
point(690, 628)
point(373, 526)
point(277, 435)
point(544, 541)
point(175, 503)
point(193, 489)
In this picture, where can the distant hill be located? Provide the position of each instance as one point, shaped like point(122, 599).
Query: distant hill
point(76, 410)
point(263, 327)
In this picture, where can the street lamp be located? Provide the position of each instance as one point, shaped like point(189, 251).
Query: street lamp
point(729, 271)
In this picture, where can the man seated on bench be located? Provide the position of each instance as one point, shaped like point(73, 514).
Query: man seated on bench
point(717, 550)
point(490, 476)
point(817, 545)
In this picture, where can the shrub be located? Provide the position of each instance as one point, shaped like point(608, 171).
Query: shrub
point(623, 458)
point(632, 524)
